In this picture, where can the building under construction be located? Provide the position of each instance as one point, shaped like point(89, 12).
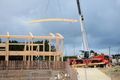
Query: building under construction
point(28, 47)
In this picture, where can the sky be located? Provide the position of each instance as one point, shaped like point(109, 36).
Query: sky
point(101, 19)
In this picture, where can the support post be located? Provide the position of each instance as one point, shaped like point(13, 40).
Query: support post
point(49, 45)
point(54, 57)
point(49, 58)
point(7, 51)
point(29, 49)
point(57, 47)
point(24, 57)
point(62, 49)
point(32, 50)
point(43, 45)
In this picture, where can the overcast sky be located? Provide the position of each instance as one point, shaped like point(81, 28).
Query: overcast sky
point(102, 22)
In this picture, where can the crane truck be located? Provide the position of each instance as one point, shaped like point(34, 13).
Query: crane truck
point(85, 57)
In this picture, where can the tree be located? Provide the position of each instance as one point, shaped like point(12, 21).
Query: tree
point(46, 45)
point(0, 41)
point(21, 48)
point(102, 54)
point(92, 51)
point(53, 48)
point(95, 53)
point(15, 47)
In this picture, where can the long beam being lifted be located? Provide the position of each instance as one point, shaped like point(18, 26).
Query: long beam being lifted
point(44, 20)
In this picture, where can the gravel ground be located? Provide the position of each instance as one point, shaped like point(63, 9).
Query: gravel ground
point(112, 72)
point(25, 75)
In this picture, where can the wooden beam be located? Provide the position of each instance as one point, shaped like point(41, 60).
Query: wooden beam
point(44, 20)
point(2, 44)
point(35, 37)
point(27, 53)
point(24, 44)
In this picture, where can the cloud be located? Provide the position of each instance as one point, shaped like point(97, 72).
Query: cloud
point(101, 21)
point(118, 2)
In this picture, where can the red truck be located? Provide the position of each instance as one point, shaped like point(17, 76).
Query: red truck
point(105, 59)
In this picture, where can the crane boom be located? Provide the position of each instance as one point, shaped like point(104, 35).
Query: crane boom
point(84, 36)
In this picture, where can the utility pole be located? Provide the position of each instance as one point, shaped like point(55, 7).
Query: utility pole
point(110, 66)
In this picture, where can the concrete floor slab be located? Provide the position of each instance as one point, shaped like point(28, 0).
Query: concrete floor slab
point(91, 74)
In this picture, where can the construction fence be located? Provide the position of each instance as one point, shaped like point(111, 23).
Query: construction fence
point(36, 70)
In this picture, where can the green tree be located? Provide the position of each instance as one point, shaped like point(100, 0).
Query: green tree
point(0, 41)
point(46, 46)
point(102, 54)
point(15, 47)
point(91, 51)
point(21, 48)
point(95, 53)
point(69, 57)
point(53, 48)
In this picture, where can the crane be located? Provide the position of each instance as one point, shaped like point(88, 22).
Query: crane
point(84, 58)
point(85, 52)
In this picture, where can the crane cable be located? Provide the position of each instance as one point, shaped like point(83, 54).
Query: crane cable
point(47, 8)
point(59, 6)
point(72, 32)
point(71, 29)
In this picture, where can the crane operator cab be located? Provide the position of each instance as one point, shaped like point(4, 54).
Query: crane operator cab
point(83, 55)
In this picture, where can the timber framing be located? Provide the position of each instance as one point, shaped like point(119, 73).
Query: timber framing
point(30, 44)
point(44, 20)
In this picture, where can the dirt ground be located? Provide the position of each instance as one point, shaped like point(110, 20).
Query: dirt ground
point(36, 75)
point(112, 72)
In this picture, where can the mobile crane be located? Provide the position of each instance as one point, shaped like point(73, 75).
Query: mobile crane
point(85, 52)
point(85, 57)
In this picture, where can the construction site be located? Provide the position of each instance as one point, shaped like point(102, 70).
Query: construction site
point(40, 61)
point(34, 69)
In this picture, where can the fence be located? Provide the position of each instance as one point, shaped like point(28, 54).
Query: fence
point(32, 70)
point(32, 65)
point(71, 72)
